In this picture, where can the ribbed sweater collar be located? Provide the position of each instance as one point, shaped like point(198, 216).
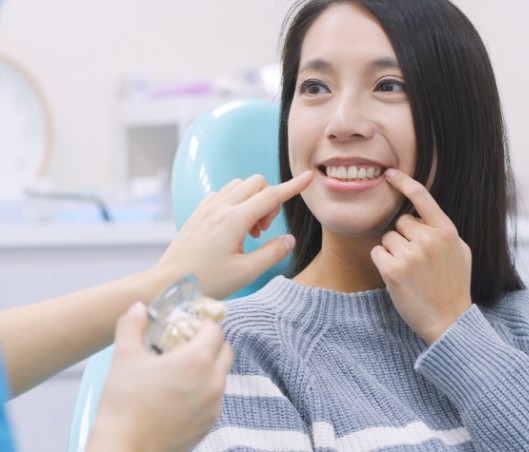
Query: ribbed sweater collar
point(294, 300)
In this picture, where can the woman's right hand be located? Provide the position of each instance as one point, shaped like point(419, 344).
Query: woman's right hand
point(210, 243)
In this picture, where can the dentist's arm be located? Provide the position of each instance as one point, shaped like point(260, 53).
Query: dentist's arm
point(41, 339)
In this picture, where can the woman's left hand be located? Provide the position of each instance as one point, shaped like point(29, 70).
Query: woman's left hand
point(424, 263)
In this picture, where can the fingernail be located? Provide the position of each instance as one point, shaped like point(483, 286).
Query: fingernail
point(390, 172)
point(289, 241)
point(137, 308)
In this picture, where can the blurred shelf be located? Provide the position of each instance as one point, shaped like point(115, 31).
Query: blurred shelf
point(54, 235)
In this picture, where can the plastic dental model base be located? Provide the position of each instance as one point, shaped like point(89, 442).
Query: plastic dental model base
point(175, 316)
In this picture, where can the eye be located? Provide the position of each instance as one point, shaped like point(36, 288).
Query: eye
point(313, 87)
point(391, 86)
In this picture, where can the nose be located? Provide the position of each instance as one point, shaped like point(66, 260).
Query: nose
point(349, 120)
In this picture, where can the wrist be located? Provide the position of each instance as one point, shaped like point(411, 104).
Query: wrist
point(444, 324)
point(150, 283)
point(109, 434)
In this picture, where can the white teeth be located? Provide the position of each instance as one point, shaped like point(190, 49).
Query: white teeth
point(352, 172)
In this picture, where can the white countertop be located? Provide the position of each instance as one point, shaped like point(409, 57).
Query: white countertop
point(113, 234)
point(49, 235)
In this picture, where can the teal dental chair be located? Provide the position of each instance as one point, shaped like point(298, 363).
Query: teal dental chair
point(234, 140)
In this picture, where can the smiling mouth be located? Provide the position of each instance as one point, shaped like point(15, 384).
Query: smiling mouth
point(352, 173)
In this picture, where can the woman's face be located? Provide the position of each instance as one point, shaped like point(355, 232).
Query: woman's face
point(350, 120)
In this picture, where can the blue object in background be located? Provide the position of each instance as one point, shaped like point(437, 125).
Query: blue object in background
point(234, 140)
point(6, 435)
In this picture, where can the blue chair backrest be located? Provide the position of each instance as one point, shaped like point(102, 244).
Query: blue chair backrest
point(234, 140)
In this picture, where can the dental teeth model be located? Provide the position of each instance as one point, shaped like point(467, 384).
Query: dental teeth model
point(175, 316)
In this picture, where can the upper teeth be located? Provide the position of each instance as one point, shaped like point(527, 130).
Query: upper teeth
point(352, 172)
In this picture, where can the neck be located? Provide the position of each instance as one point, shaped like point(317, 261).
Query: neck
point(343, 265)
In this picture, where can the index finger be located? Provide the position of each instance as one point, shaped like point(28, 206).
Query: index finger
point(270, 198)
point(420, 197)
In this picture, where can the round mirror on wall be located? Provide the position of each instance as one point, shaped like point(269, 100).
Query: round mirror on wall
point(25, 129)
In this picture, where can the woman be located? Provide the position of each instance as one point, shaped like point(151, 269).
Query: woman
point(406, 325)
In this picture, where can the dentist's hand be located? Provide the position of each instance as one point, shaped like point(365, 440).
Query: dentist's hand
point(210, 243)
point(424, 263)
point(163, 402)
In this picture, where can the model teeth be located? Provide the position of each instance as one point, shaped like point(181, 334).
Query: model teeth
point(350, 173)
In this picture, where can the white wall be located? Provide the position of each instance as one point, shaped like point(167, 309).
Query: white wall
point(503, 24)
point(79, 50)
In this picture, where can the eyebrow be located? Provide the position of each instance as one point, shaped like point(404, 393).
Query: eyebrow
point(385, 63)
point(321, 65)
point(316, 65)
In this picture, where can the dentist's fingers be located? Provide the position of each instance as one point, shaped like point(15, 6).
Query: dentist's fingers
point(209, 339)
point(245, 189)
point(130, 328)
point(229, 187)
point(264, 223)
point(268, 255)
point(269, 199)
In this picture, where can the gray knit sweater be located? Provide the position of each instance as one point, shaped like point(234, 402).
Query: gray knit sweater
point(321, 370)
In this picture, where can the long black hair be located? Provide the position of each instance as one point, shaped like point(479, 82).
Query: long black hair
point(457, 115)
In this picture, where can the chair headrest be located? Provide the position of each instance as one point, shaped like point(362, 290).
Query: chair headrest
point(234, 140)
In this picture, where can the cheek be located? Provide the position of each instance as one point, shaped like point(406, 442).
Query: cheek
point(407, 145)
point(296, 145)
point(296, 160)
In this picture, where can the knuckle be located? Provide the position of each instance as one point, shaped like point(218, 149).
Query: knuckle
point(449, 234)
point(388, 237)
point(401, 221)
point(404, 220)
point(259, 179)
point(395, 272)
point(416, 190)
point(218, 216)
point(209, 197)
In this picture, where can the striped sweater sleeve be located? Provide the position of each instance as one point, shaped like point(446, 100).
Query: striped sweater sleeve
point(486, 378)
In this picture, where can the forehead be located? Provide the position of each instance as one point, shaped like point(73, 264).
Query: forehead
point(345, 27)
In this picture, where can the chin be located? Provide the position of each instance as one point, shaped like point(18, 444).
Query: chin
point(357, 225)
